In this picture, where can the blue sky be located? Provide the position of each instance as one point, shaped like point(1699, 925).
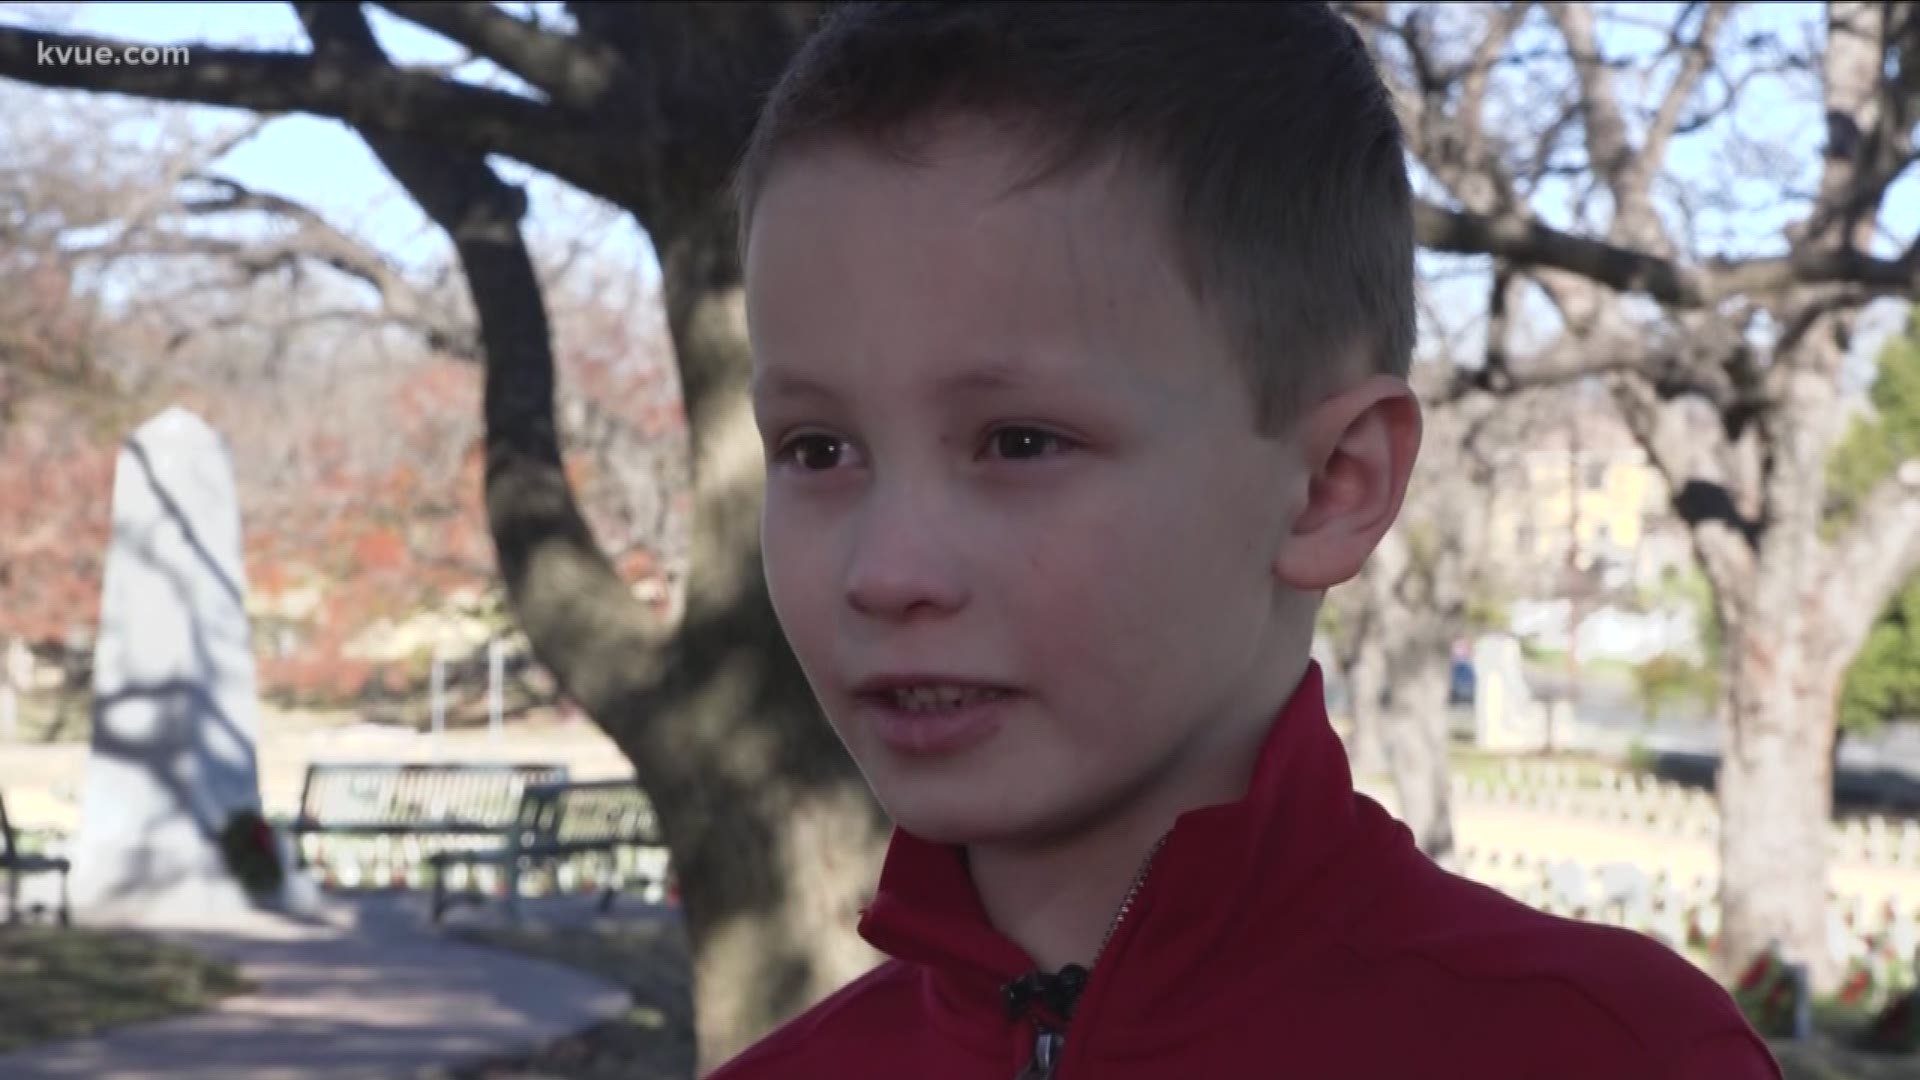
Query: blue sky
point(321, 163)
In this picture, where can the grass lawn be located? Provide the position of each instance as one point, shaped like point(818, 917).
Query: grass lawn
point(1828, 1054)
point(58, 983)
point(654, 1041)
point(1474, 764)
point(1820, 1059)
point(1556, 660)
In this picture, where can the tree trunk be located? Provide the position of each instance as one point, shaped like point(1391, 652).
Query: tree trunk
point(773, 835)
point(780, 838)
point(1417, 749)
point(1776, 796)
point(1366, 678)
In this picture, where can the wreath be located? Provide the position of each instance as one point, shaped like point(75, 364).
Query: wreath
point(252, 853)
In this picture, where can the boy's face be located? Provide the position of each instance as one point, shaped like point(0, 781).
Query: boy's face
point(1006, 447)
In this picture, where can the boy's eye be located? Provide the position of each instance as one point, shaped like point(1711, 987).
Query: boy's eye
point(821, 453)
point(1025, 442)
point(813, 453)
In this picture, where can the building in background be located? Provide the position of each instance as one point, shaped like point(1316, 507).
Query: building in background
point(1583, 525)
point(1581, 507)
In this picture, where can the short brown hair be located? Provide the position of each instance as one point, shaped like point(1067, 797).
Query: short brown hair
point(1282, 160)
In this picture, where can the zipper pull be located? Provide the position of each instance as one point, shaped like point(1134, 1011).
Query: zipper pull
point(1046, 1055)
point(1058, 992)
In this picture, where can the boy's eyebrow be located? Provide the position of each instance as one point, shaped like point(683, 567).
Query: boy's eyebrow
point(769, 385)
point(984, 378)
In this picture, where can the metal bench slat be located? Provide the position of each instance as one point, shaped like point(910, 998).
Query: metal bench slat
point(556, 820)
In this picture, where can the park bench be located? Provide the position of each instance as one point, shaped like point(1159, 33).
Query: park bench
point(389, 799)
point(19, 864)
point(556, 821)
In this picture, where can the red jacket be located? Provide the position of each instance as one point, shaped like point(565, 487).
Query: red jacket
point(1297, 933)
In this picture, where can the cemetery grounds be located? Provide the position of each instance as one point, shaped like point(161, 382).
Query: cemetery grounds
point(1572, 836)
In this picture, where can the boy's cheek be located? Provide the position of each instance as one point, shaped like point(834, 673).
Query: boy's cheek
point(787, 580)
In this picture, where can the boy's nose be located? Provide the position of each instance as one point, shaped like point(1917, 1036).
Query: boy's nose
point(901, 561)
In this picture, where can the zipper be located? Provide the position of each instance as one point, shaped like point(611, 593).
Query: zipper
point(1048, 1044)
point(1126, 904)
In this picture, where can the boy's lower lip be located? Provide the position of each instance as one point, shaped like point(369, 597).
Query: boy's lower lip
point(935, 731)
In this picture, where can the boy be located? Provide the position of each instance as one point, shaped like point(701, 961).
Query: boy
point(1081, 334)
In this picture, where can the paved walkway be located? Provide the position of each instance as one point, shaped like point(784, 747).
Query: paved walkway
point(368, 990)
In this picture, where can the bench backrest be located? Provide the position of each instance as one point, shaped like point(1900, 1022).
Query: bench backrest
point(586, 814)
point(418, 795)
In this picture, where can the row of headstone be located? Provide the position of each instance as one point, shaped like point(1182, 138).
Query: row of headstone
point(1565, 783)
point(1677, 811)
point(1878, 841)
point(1661, 812)
point(1565, 775)
point(1882, 939)
point(1547, 774)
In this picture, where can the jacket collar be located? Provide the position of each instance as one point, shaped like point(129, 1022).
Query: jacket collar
point(1225, 871)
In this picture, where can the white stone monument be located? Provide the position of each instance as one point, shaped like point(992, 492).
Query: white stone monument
point(174, 712)
point(16, 674)
point(1506, 716)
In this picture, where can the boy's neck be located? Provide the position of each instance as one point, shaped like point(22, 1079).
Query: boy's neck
point(1058, 901)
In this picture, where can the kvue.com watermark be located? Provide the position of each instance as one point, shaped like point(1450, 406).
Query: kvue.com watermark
point(109, 56)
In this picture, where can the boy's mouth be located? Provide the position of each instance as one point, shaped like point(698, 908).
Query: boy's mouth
point(928, 699)
point(927, 693)
point(924, 715)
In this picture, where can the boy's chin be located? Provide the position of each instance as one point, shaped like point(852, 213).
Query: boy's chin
point(949, 827)
point(966, 821)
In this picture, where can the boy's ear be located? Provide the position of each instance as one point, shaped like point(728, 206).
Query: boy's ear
point(1358, 447)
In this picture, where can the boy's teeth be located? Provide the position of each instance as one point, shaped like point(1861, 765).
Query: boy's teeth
point(941, 697)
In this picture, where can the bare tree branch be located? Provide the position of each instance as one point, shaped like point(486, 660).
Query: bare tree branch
point(1869, 121)
point(1878, 553)
point(372, 97)
point(573, 71)
point(531, 510)
point(1610, 153)
point(1666, 119)
point(1526, 242)
point(1735, 89)
point(1570, 359)
point(1725, 536)
point(158, 198)
point(1451, 142)
point(402, 303)
point(1479, 181)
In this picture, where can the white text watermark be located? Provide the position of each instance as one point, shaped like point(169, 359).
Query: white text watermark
point(113, 56)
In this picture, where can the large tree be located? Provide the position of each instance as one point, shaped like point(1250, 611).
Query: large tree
point(773, 834)
point(1573, 162)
